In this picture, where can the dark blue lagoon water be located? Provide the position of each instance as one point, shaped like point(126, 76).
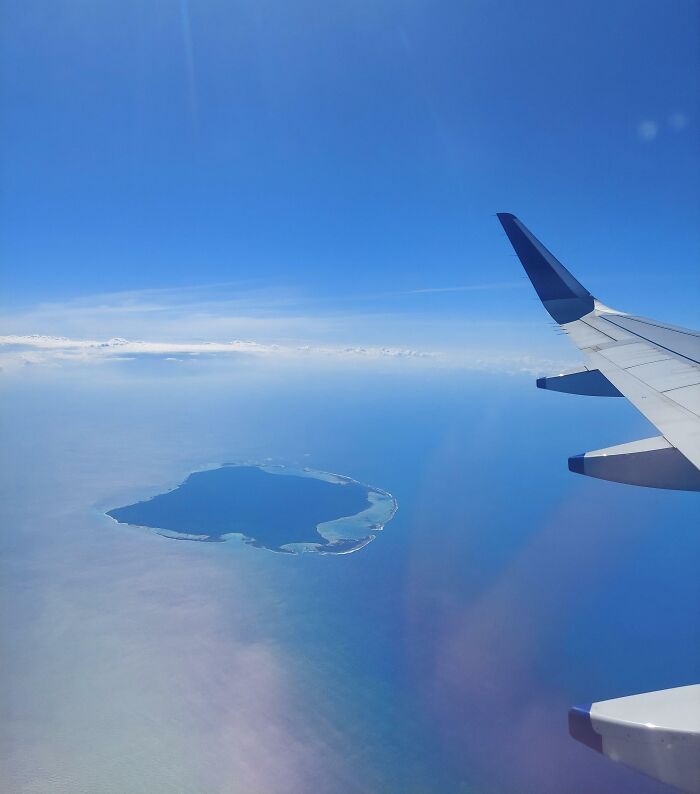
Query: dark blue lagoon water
point(281, 508)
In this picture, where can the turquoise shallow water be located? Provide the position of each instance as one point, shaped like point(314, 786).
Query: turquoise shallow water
point(442, 657)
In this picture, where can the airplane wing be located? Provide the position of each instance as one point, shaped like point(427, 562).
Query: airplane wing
point(657, 368)
point(657, 733)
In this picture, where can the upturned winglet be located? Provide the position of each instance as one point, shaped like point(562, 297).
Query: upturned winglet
point(561, 294)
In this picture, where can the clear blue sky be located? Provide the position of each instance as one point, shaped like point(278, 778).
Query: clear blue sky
point(343, 146)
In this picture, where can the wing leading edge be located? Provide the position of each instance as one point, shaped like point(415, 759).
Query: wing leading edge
point(657, 368)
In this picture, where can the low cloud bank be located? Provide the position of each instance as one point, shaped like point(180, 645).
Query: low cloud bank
point(18, 351)
point(256, 325)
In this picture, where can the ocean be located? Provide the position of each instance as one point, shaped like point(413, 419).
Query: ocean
point(441, 657)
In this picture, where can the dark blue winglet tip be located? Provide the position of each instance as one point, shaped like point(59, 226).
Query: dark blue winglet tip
point(576, 463)
point(541, 383)
point(563, 296)
point(581, 728)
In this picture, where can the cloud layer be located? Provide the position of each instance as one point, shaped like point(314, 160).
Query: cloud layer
point(245, 323)
point(37, 348)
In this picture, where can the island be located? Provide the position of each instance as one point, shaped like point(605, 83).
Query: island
point(281, 508)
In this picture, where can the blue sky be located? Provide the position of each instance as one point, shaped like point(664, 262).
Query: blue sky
point(345, 150)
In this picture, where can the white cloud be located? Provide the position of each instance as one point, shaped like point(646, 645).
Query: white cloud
point(247, 324)
point(29, 349)
point(465, 288)
point(17, 352)
point(647, 130)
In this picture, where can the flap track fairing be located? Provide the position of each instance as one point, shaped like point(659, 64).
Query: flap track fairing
point(650, 462)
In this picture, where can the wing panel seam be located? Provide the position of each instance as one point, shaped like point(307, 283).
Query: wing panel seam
point(651, 341)
point(644, 321)
point(678, 388)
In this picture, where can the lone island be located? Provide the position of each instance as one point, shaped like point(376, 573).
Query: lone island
point(281, 508)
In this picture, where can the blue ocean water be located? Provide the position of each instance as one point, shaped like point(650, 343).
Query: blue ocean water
point(441, 657)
